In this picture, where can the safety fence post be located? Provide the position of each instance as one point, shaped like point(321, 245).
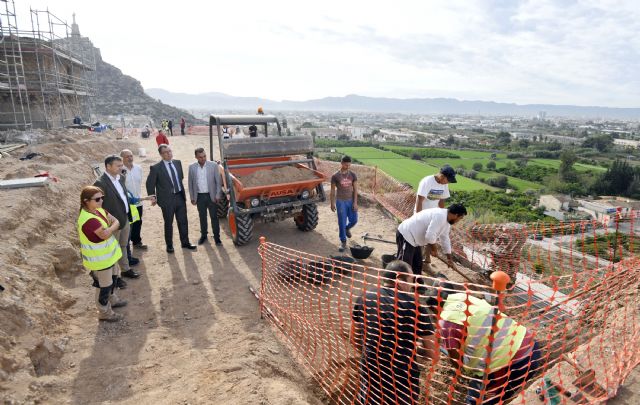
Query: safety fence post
point(500, 280)
point(261, 249)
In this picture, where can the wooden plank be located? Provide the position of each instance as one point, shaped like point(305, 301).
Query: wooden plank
point(22, 183)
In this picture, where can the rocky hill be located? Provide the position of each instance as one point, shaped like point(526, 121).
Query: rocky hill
point(118, 94)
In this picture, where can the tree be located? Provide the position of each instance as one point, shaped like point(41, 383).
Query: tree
point(477, 166)
point(491, 165)
point(420, 139)
point(566, 171)
point(375, 132)
point(618, 180)
point(601, 143)
point(343, 137)
point(523, 143)
point(534, 138)
point(500, 182)
point(416, 156)
point(450, 140)
point(503, 138)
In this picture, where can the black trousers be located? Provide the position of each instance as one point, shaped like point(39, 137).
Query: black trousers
point(170, 131)
point(205, 204)
point(409, 254)
point(181, 130)
point(178, 210)
point(136, 227)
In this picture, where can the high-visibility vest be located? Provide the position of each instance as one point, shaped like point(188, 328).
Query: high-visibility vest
point(101, 255)
point(477, 317)
point(135, 214)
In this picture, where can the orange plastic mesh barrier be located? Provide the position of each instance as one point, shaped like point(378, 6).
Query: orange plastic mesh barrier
point(565, 330)
point(581, 332)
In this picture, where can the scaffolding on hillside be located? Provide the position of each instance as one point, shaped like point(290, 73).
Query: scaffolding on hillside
point(50, 71)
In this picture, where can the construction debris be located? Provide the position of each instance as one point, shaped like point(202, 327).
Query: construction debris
point(23, 183)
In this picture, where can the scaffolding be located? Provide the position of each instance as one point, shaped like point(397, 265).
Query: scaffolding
point(50, 71)
point(14, 100)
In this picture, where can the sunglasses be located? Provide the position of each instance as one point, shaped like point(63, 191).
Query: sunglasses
point(97, 199)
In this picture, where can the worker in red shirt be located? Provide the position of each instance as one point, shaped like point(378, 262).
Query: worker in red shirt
point(161, 138)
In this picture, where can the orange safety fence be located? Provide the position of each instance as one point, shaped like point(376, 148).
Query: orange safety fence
point(575, 287)
point(581, 331)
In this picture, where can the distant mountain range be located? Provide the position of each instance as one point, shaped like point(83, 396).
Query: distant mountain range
point(355, 103)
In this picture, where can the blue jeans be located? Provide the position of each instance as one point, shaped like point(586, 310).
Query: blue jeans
point(347, 217)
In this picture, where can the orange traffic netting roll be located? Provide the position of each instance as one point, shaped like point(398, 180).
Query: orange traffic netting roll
point(565, 329)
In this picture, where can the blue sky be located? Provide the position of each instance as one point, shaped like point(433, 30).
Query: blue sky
point(552, 52)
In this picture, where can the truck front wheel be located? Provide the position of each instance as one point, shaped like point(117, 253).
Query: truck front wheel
point(241, 227)
point(223, 206)
point(307, 220)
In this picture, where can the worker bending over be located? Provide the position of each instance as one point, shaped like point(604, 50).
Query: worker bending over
point(424, 228)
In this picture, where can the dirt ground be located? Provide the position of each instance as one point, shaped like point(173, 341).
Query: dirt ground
point(192, 332)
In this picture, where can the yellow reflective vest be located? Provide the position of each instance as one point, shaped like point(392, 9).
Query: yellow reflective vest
point(477, 314)
point(135, 214)
point(101, 255)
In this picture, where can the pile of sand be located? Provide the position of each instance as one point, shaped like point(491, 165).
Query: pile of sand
point(286, 174)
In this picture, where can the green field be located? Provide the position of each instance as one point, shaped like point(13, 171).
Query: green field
point(406, 170)
point(555, 163)
point(469, 157)
point(518, 184)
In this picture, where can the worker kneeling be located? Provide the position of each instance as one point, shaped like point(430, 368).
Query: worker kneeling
point(465, 323)
point(392, 331)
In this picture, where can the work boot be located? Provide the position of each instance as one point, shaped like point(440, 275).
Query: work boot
point(347, 232)
point(105, 313)
point(120, 283)
point(116, 302)
point(343, 246)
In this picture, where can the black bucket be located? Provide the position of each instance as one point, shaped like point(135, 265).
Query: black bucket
point(386, 259)
point(361, 252)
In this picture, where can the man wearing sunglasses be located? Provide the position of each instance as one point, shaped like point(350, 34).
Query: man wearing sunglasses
point(116, 203)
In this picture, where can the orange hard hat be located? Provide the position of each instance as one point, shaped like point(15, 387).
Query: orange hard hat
point(260, 110)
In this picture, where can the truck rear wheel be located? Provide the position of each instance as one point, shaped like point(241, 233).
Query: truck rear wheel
point(307, 220)
point(241, 227)
point(223, 206)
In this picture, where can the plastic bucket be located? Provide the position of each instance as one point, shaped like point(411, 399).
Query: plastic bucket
point(142, 152)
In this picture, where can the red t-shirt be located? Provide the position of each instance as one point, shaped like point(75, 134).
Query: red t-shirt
point(162, 138)
point(91, 226)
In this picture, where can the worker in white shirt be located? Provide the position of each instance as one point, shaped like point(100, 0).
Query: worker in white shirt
point(425, 228)
point(434, 190)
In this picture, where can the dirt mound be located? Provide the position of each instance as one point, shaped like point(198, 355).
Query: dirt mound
point(286, 174)
point(39, 254)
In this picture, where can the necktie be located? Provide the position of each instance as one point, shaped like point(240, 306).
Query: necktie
point(176, 186)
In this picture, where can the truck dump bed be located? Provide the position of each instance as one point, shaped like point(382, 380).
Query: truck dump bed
point(272, 181)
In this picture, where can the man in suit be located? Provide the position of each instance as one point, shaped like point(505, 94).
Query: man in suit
point(165, 181)
point(116, 203)
point(205, 191)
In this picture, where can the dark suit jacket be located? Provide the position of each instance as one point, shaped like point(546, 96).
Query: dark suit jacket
point(112, 201)
point(159, 183)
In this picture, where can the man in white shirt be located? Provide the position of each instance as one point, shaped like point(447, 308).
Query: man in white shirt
point(434, 190)
point(205, 190)
point(133, 181)
point(424, 228)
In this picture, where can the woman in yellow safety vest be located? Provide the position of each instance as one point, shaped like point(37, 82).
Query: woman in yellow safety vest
point(100, 250)
point(465, 324)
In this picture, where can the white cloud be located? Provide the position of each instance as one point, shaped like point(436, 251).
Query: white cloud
point(536, 51)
